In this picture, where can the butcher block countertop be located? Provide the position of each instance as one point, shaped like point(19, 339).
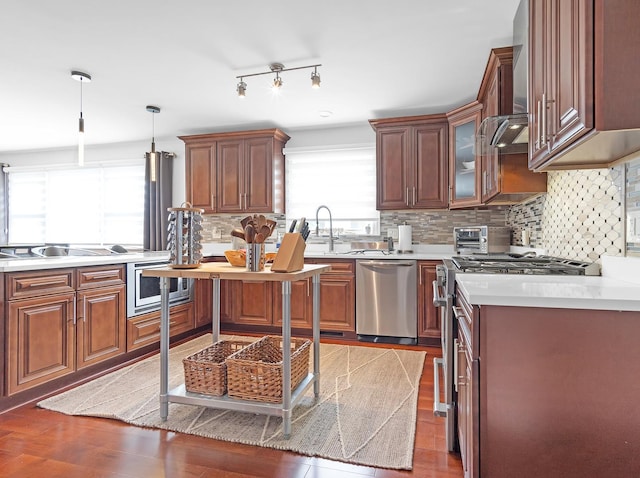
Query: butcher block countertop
point(221, 270)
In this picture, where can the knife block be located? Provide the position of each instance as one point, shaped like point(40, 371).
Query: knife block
point(290, 256)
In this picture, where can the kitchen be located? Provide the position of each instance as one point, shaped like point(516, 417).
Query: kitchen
point(580, 217)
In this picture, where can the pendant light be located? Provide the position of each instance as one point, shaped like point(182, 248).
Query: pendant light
point(153, 156)
point(82, 78)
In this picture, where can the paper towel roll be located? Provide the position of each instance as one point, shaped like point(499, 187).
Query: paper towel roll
point(404, 238)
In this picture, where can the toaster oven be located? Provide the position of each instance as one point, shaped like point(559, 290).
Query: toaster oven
point(481, 239)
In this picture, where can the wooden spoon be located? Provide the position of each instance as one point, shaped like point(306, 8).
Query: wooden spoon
point(249, 234)
point(265, 231)
point(238, 233)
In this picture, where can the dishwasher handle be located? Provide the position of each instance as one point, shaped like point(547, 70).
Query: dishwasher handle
point(388, 264)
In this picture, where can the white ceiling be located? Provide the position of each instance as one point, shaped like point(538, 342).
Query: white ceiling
point(380, 58)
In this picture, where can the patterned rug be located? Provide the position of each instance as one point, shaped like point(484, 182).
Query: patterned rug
point(366, 413)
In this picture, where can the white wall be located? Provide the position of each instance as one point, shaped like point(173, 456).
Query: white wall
point(359, 133)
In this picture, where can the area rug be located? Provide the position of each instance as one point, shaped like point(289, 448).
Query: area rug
point(366, 412)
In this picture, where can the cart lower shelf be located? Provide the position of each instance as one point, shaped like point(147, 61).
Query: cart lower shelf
point(180, 395)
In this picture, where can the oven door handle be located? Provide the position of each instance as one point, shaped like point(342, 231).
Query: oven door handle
point(438, 300)
point(439, 408)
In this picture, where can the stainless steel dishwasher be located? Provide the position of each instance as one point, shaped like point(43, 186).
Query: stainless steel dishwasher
point(386, 301)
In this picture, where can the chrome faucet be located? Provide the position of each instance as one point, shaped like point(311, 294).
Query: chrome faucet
point(330, 226)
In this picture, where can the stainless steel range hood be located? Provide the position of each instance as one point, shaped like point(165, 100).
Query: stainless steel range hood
point(510, 133)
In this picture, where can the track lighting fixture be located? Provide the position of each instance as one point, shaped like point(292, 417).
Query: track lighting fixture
point(153, 156)
point(242, 88)
point(81, 77)
point(277, 68)
point(315, 79)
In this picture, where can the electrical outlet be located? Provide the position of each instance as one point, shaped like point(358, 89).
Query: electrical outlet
point(216, 233)
point(393, 232)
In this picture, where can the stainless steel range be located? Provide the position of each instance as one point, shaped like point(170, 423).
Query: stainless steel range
point(444, 298)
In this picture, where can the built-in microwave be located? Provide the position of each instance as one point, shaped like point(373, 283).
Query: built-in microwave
point(481, 239)
point(143, 293)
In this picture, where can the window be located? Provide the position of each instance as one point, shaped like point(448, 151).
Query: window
point(344, 180)
point(91, 205)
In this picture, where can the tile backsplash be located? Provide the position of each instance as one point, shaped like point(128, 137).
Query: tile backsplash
point(580, 217)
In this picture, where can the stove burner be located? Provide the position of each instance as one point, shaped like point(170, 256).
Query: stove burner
point(517, 264)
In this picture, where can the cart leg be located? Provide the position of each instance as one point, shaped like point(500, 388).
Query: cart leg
point(316, 335)
point(215, 310)
point(164, 347)
point(286, 358)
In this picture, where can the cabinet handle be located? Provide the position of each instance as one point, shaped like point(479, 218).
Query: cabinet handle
point(456, 348)
point(414, 197)
point(406, 196)
point(538, 124)
point(484, 182)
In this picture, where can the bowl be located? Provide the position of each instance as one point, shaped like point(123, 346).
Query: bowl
point(236, 258)
point(468, 164)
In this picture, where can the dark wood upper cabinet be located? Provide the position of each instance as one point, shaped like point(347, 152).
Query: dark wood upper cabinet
point(236, 172)
point(584, 107)
point(411, 162)
point(504, 178)
point(464, 165)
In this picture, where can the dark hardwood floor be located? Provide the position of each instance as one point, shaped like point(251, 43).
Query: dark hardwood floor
point(40, 443)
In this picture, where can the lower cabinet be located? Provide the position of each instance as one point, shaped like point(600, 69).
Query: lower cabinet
point(258, 304)
point(337, 295)
point(145, 329)
point(100, 325)
point(428, 315)
point(52, 330)
point(41, 335)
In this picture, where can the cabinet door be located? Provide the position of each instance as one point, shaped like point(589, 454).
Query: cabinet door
point(301, 304)
point(464, 179)
point(430, 167)
point(145, 329)
point(258, 175)
point(337, 296)
point(252, 302)
point(203, 302)
point(40, 340)
point(570, 115)
point(560, 76)
point(201, 176)
point(393, 167)
point(101, 325)
point(428, 315)
point(490, 162)
point(231, 174)
point(462, 385)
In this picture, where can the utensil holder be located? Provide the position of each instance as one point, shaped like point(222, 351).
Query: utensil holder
point(183, 242)
point(255, 257)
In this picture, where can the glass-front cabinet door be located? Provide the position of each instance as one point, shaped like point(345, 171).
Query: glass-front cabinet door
point(464, 165)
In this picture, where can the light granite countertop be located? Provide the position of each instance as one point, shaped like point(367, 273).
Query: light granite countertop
point(618, 288)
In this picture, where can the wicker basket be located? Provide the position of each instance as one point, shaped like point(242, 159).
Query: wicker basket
point(255, 372)
point(206, 372)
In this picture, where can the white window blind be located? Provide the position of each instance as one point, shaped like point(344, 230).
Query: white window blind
point(91, 205)
point(344, 180)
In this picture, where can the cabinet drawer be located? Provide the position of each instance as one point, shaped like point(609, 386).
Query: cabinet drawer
point(88, 277)
point(21, 285)
point(145, 329)
point(338, 267)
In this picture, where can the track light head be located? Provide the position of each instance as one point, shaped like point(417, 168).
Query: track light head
point(241, 89)
point(277, 82)
point(315, 79)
